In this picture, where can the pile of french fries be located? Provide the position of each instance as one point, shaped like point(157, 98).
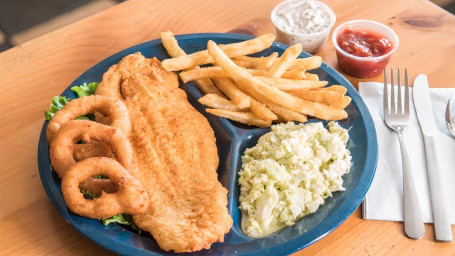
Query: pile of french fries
point(257, 90)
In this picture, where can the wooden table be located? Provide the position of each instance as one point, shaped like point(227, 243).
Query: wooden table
point(30, 74)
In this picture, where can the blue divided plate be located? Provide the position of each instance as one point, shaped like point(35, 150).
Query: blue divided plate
point(232, 140)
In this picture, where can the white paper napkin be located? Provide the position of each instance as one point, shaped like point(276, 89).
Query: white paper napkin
point(384, 200)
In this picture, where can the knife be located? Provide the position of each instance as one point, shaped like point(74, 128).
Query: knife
point(424, 110)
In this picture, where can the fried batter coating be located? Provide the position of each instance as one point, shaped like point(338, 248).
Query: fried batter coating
point(176, 155)
point(115, 80)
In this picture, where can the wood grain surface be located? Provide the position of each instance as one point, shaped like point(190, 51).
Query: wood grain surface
point(31, 73)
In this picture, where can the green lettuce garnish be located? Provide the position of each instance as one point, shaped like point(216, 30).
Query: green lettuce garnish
point(99, 176)
point(85, 89)
point(58, 102)
point(88, 194)
point(122, 219)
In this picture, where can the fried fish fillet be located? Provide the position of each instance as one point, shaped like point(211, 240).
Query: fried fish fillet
point(176, 156)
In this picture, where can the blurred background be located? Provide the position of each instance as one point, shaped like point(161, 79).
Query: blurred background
point(23, 20)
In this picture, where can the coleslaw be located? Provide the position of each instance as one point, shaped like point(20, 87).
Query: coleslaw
point(289, 173)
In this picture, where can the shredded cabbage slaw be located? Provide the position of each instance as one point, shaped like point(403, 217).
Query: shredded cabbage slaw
point(289, 173)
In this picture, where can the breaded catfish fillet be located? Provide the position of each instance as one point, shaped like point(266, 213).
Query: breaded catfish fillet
point(176, 156)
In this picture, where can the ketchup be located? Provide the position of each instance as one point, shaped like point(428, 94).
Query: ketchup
point(364, 44)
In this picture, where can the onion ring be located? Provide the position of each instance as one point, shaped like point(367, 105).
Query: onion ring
point(62, 146)
point(114, 109)
point(130, 198)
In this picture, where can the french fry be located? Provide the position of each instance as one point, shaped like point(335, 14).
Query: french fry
point(298, 74)
point(285, 61)
point(264, 63)
point(265, 93)
point(256, 99)
point(247, 118)
point(207, 86)
point(214, 101)
point(292, 84)
point(202, 73)
point(261, 111)
point(216, 71)
point(172, 47)
point(232, 50)
point(227, 86)
point(286, 114)
point(346, 101)
point(242, 63)
point(331, 98)
point(310, 76)
point(292, 74)
point(309, 63)
point(335, 88)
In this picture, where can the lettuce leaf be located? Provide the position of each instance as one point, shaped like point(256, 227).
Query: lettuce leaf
point(85, 89)
point(122, 219)
point(88, 194)
point(99, 176)
point(57, 103)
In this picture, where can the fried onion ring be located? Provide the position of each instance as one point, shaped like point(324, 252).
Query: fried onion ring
point(130, 198)
point(114, 109)
point(62, 146)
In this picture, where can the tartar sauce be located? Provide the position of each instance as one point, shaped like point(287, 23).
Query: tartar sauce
point(304, 17)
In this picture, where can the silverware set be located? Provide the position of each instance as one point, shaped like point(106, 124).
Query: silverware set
point(396, 117)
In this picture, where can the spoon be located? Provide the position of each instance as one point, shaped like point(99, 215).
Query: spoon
point(450, 115)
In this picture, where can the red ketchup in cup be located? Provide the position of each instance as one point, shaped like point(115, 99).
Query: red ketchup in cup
point(364, 47)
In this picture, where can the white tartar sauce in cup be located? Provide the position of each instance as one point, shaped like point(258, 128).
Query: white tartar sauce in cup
point(307, 22)
point(303, 17)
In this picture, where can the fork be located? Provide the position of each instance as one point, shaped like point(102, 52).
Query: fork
point(397, 119)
